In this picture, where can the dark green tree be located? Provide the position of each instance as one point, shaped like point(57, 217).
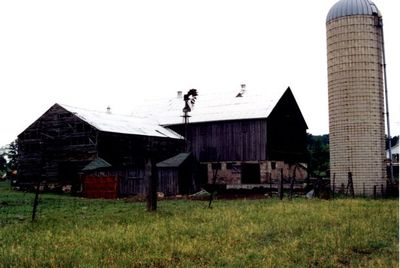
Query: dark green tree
point(12, 154)
point(318, 150)
point(3, 165)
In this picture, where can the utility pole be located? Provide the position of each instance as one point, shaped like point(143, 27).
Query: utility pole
point(380, 25)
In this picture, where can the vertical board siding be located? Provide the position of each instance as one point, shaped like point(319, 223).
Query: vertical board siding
point(132, 186)
point(100, 187)
point(168, 181)
point(55, 148)
point(240, 140)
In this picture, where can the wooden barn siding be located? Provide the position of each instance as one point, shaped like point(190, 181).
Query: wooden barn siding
point(126, 150)
point(100, 187)
point(127, 154)
point(240, 140)
point(287, 132)
point(132, 182)
point(132, 186)
point(168, 181)
point(55, 142)
point(58, 145)
point(130, 179)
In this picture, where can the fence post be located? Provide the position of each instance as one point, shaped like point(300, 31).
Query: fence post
point(36, 200)
point(364, 189)
point(281, 186)
point(151, 176)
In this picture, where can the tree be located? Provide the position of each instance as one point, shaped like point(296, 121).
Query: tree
point(3, 166)
point(318, 150)
point(12, 154)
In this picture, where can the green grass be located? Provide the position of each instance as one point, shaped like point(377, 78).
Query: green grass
point(76, 232)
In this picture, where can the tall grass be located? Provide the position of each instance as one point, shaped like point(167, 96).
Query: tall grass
point(76, 232)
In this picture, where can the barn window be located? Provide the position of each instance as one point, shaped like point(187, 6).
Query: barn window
point(233, 167)
point(216, 166)
point(273, 165)
point(229, 165)
point(250, 173)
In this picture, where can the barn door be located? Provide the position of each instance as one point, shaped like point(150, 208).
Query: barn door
point(68, 174)
point(203, 174)
point(250, 173)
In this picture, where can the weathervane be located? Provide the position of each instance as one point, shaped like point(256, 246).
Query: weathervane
point(189, 99)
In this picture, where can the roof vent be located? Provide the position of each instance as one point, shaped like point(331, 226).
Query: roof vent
point(109, 109)
point(242, 90)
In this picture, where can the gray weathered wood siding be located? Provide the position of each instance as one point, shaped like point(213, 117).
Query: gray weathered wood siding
point(58, 145)
point(55, 147)
point(281, 135)
point(240, 140)
point(168, 181)
point(287, 132)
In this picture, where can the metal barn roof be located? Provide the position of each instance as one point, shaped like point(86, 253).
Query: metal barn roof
point(220, 106)
point(96, 164)
point(174, 161)
point(352, 7)
point(124, 124)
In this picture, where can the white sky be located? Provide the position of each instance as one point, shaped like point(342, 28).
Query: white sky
point(92, 54)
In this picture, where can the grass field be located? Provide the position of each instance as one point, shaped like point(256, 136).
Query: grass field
point(76, 232)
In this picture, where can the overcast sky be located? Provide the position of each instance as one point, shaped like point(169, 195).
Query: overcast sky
point(95, 54)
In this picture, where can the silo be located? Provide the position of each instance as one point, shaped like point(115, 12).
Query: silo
point(356, 100)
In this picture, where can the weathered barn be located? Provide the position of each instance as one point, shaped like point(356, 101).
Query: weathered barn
point(64, 140)
point(249, 138)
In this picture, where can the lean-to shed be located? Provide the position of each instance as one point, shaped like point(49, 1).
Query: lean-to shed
point(177, 175)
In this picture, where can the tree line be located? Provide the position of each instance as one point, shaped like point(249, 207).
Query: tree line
point(9, 159)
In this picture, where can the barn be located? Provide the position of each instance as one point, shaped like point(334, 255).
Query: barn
point(247, 138)
point(244, 138)
point(65, 140)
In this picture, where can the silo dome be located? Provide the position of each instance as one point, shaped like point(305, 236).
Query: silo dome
point(352, 7)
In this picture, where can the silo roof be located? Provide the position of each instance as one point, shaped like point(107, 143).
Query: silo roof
point(352, 7)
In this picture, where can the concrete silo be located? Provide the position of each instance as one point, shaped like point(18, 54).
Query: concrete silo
point(356, 99)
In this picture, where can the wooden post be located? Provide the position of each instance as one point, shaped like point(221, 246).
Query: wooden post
point(292, 182)
point(151, 177)
point(42, 162)
point(281, 186)
point(270, 181)
point(213, 187)
point(363, 189)
point(350, 186)
point(291, 187)
point(382, 191)
point(36, 200)
point(374, 191)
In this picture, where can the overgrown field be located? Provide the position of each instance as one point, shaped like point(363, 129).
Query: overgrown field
point(76, 232)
